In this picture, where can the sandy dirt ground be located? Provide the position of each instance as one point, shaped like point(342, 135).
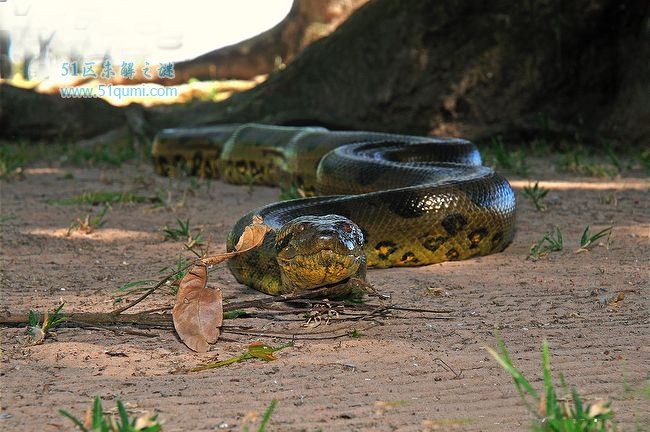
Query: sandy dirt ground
point(392, 377)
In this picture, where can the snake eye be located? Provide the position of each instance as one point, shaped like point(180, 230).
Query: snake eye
point(300, 227)
point(283, 242)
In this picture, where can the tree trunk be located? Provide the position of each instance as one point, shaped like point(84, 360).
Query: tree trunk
point(27, 114)
point(5, 59)
point(460, 68)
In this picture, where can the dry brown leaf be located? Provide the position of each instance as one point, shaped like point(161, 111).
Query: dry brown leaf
point(252, 237)
point(198, 312)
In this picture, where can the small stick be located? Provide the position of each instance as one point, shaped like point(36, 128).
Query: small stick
point(151, 290)
point(435, 311)
point(449, 368)
point(117, 331)
point(294, 336)
point(98, 319)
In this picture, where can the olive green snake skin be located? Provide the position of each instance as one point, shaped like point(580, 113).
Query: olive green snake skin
point(383, 200)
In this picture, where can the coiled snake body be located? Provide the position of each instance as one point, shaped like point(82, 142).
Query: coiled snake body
point(383, 200)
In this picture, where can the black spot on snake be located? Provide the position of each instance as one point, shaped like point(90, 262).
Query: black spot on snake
point(476, 236)
point(452, 254)
point(241, 167)
point(432, 243)
point(496, 238)
point(409, 257)
point(385, 249)
point(454, 223)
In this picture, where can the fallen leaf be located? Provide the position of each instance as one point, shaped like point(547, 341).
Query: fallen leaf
point(252, 237)
point(198, 312)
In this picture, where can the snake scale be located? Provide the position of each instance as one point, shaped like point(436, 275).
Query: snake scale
point(371, 199)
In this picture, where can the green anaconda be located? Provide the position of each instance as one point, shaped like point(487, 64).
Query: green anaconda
point(383, 200)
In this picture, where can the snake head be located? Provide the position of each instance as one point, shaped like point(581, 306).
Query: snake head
point(314, 251)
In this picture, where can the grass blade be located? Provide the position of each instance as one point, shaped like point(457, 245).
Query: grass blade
point(267, 415)
point(124, 417)
point(74, 420)
point(98, 413)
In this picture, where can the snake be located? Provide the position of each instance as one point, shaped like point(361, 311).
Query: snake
point(364, 199)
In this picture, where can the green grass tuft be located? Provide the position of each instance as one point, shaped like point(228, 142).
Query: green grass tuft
point(290, 192)
point(499, 156)
point(89, 225)
point(588, 240)
point(96, 198)
point(536, 195)
point(547, 244)
point(554, 413)
point(97, 421)
point(15, 156)
point(577, 162)
point(184, 232)
point(39, 331)
point(12, 160)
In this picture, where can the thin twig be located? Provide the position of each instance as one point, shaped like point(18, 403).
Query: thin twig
point(318, 293)
point(151, 290)
point(449, 368)
point(435, 311)
point(158, 309)
point(294, 336)
point(117, 331)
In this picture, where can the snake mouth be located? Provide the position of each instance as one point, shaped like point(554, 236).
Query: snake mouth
point(324, 254)
point(327, 262)
point(318, 269)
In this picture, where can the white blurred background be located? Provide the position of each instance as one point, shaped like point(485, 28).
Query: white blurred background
point(49, 32)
